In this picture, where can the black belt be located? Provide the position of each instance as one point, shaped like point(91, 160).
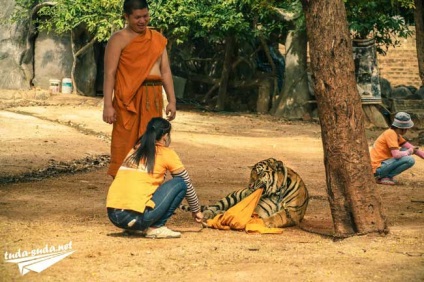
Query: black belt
point(152, 83)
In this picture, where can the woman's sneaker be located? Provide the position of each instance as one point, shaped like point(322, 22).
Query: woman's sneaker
point(161, 233)
point(386, 181)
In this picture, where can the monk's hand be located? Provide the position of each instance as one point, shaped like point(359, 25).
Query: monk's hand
point(171, 111)
point(198, 216)
point(109, 114)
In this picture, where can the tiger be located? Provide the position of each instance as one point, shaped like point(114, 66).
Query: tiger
point(284, 198)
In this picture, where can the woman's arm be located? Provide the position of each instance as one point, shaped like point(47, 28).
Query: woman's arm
point(191, 195)
point(416, 150)
point(397, 154)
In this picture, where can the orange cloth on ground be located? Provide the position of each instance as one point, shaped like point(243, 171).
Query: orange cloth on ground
point(242, 217)
point(135, 104)
point(381, 149)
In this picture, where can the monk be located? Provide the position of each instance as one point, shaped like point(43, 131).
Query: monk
point(136, 68)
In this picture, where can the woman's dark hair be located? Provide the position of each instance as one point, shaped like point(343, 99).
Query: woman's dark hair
point(131, 5)
point(146, 150)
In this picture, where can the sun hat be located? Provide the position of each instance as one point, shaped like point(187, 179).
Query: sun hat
point(402, 120)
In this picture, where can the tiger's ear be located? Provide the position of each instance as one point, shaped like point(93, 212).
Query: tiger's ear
point(280, 165)
point(270, 160)
point(273, 163)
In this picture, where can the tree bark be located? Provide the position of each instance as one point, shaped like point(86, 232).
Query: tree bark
point(264, 98)
point(222, 92)
point(354, 201)
point(419, 35)
point(292, 102)
point(273, 75)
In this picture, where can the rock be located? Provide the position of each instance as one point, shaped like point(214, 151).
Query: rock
point(52, 58)
point(385, 87)
point(400, 92)
point(15, 67)
point(374, 117)
point(420, 93)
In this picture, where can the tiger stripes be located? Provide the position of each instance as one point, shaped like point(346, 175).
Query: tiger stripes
point(284, 199)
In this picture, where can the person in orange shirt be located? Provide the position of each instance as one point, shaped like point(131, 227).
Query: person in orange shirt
point(138, 198)
point(391, 152)
point(136, 68)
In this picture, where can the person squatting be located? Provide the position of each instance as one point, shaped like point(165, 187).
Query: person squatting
point(391, 153)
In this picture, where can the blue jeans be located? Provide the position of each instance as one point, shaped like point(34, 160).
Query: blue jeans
point(392, 167)
point(167, 198)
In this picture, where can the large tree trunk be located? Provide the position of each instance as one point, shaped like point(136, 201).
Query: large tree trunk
point(419, 33)
point(292, 102)
point(222, 92)
point(354, 201)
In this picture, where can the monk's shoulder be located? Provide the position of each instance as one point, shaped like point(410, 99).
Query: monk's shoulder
point(156, 34)
point(121, 38)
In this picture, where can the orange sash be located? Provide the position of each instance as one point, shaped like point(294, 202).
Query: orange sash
point(242, 217)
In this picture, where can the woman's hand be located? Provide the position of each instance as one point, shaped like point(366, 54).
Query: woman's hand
point(198, 216)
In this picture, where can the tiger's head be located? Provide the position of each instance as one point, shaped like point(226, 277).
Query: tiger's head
point(269, 174)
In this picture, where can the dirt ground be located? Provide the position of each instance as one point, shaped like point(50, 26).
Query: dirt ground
point(42, 205)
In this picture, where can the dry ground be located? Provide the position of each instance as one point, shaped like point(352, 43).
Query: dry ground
point(216, 148)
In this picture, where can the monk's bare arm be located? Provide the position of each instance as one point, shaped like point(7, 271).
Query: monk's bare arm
point(111, 59)
point(168, 85)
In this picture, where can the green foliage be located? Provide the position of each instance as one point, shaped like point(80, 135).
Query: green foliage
point(381, 19)
point(213, 20)
point(408, 4)
point(197, 31)
point(21, 12)
point(99, 17)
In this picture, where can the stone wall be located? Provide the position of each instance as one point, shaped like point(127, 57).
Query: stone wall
point(15, 55)
point(29, 59)
point(400, 65)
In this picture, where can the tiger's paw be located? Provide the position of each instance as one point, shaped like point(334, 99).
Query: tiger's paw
point(204, 224)
point(207, 214)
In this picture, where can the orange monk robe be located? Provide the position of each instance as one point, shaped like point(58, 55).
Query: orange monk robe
point(135, 104)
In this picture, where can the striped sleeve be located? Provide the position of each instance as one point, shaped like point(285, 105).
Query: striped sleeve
point(191, 195)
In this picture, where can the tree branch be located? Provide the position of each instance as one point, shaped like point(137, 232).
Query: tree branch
point(37, 8)
point(286, 15)
point(85, 47)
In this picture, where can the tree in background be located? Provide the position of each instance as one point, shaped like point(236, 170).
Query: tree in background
point(383, 20)
point(354, 202)
point(293, 99)
point(99, 18)
point(217, 42)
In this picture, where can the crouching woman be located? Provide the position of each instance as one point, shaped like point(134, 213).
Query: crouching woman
point(138, 198)
point(391, 153)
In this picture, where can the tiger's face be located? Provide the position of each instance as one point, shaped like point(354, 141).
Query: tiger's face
point(267, 174)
